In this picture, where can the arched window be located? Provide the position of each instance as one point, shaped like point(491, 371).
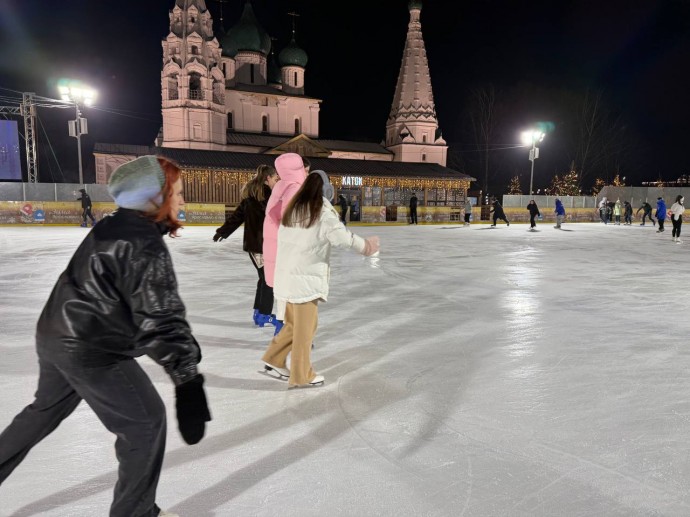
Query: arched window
point(251, 73)
point(197, 132)
point(230, 120)
point(264, 124)
point(195, 50)
point(424, 138)
point(423, 157)
point(194, 86)
point(295, 78)
point(297, 127)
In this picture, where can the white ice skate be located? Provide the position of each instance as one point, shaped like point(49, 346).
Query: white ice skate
point(678, 241)
point(282, 374)
point(315, 382)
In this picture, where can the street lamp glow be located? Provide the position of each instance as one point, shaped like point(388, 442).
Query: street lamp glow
point(531, 137)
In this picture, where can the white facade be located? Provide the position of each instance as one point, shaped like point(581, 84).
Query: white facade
point(205, 93)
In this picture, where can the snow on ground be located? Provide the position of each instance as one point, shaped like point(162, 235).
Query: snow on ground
point(469, 371)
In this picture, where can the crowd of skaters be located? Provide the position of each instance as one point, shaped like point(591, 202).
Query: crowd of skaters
point(610, 211)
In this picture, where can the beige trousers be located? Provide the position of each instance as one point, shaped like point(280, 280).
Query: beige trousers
point(295, 338)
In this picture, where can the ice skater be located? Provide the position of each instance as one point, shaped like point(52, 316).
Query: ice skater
point(343, 208)
point(251, 212)
point(413, 208)
point(86, 207)
point(292, 174)
point(677, 210)
point(560, 213)
point(627, 213)
point(660, 213)
point(118, 300)
point(310, 227)
point(498, 212)
point(647, 212)
point(533, 212)
point(617, 209)
point(468, 211)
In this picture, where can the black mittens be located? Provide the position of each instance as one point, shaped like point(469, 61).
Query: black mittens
point(218, 237)
point(192, 409)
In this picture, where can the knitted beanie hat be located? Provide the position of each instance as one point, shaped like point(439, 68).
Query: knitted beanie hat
point(328, 190)
point(138, 184)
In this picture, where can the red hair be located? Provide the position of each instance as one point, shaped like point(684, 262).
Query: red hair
point(172, 173)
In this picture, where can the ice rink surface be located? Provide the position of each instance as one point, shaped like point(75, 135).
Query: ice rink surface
point(469, 371)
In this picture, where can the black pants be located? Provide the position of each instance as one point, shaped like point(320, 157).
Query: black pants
point(676, 225)
point(647, 214)
point(661, 224)
point(263, 300)
point(502, 217)
point(86, 212)
point(628, 218)
point(413, 215)
point(532, 224)
point(467, 218)
point(343, 216)
point(127, 404)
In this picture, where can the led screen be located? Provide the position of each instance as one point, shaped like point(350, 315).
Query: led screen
point(10, 166)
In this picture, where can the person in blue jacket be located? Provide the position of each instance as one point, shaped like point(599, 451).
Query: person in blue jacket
point(560, 213)
point(660, 213)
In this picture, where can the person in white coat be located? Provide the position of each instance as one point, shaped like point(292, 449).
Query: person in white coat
point(677, 210)
point(308, 230)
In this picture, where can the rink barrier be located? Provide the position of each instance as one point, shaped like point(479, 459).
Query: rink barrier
point(57, 213)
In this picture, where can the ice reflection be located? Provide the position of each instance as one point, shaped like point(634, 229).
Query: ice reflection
point(521, 304)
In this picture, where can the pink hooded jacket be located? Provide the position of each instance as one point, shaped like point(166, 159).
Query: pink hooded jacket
point(292, 174)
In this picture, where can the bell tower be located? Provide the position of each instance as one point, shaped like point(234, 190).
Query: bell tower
point(192, 81)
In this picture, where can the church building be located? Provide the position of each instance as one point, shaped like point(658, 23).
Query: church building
point(229, 99)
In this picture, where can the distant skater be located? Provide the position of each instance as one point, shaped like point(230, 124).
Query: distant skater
point(533, 212)
point(498, 212)
point(560, 213)
point(676, 212)
point(627, 212)
point(646, 212)
point(413, 208)
point(468, 212)
point(660, 213)
point(86, 208)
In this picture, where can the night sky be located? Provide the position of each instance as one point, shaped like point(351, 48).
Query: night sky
point(539, 56)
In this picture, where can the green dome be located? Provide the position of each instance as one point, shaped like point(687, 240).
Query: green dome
point(292, 55)
point(415, 4)
point(246, 34)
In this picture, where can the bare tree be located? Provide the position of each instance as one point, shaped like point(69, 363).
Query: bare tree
point(483, 118)
point(600, 138)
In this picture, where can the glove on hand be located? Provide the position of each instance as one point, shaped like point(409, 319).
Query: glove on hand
point(371, 246)
point(218, 237)
point(192, 409)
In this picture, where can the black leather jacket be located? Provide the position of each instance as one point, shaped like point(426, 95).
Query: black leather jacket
point(118, 299)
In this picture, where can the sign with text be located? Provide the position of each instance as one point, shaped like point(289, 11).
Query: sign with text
point(352, 181)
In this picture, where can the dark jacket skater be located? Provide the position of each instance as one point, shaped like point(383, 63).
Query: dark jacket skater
point(498, 212)
point(627, 212)
point(647, 212)
point(343, 208)
point(118, 300)
point(86, 207)
point(533, 212)
point(251, 212)
point(413, 208)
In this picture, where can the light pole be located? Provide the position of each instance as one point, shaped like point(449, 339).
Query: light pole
point(532, 137)
point(78, 94)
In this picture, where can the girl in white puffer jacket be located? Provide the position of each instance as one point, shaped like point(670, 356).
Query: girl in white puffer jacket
point(310, 226)
point(676, 212)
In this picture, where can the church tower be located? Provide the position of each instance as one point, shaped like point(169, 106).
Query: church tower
point(412, 131)
point(192, 80)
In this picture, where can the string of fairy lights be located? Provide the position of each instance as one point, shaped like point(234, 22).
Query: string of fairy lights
point(201, 179)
